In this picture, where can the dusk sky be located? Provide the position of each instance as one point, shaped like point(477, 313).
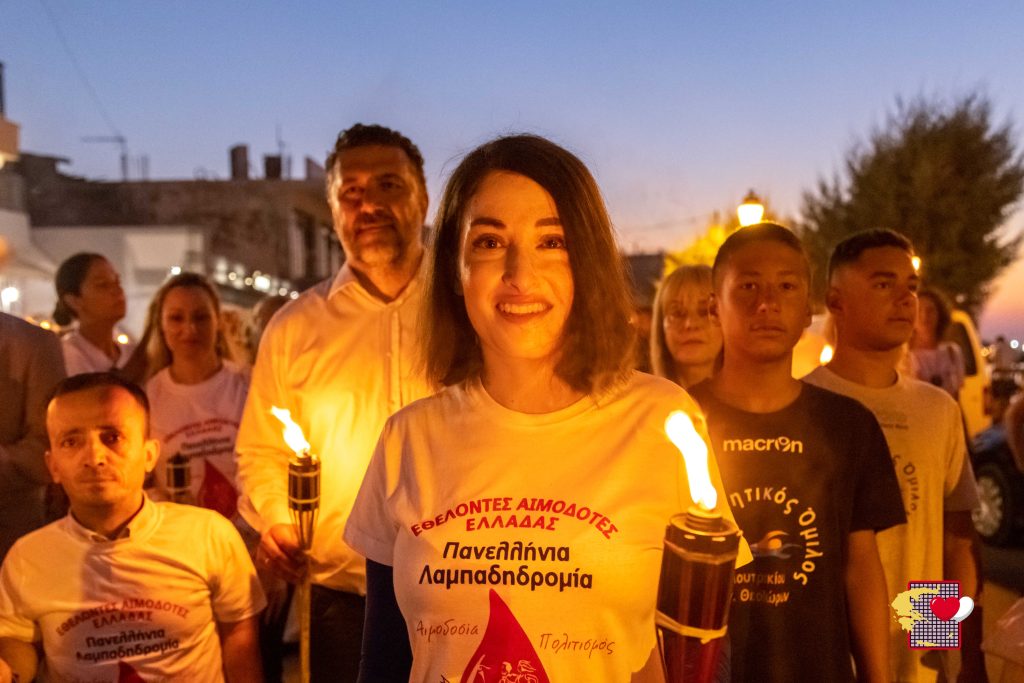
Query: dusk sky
point(678, 108)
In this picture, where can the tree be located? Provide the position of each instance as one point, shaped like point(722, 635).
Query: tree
point(943, 175)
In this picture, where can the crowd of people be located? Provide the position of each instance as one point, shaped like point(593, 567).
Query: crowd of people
point(495, 475)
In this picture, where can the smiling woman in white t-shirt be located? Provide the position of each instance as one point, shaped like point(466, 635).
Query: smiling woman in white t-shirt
point(196, 392)
point(513, 522)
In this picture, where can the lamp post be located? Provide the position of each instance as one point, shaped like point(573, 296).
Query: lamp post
point(751, 211)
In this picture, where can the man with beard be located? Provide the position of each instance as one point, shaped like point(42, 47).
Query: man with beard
point(341, 359)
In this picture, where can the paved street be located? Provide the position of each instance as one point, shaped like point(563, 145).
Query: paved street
point(1004, 584)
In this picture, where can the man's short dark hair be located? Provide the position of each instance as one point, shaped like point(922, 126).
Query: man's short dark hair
point(761, 232)
point(850, 249)
point(99, 380)
point(362, 135)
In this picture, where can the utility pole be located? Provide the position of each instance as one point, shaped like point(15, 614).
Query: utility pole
point(120, 142)
point(3, 108)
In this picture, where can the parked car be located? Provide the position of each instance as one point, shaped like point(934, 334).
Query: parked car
point(975, 394)
point(1000, 487)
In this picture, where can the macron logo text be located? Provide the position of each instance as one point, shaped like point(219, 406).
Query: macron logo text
point(780, 444)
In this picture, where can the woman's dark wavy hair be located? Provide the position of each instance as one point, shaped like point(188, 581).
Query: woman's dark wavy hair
point(943, 310)
point(70, 276)
point(597, 349)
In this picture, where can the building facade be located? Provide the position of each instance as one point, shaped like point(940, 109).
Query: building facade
point(252, 236)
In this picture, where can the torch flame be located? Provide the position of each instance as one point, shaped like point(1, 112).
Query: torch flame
point(683, 434)
point(293, 435)
point(826, 354)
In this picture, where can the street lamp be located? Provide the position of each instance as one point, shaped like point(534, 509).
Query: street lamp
point(751, 211)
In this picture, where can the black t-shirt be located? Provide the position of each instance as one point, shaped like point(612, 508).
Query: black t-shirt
point(799, 480)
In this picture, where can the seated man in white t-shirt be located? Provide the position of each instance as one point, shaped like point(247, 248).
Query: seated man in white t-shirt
point(115, 590)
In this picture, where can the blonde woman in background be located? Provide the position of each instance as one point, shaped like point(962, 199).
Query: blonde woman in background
point(197, 394)
point(196, 391)
point(684, 343)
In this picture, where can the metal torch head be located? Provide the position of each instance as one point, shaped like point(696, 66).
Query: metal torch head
point(303, 482)
point(697, 571)
point(304, 495)
point(179, 476)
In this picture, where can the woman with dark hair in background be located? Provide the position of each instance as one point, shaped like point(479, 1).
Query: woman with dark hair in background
point(89, 292)
point(684, 343)
point(543, 456)
point(932, 358)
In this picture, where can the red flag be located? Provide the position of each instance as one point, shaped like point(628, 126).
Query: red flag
point(126, 674)
point(505, 654)
point(216, 492)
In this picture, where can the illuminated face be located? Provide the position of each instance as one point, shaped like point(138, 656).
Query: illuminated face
point(99, 451)
point(514, 269)
point(874, 299)
point(188, 320)
point(378, 206)
point(690, 336)
point(763, 304)
point(100, 298)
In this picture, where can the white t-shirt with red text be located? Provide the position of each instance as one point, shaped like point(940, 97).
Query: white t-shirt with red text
point(142, 607)
point(924, 430)
point(200, 422)
point(526, 547)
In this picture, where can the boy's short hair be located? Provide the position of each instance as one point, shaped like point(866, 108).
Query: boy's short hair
point(760, 232)
point(850, 249)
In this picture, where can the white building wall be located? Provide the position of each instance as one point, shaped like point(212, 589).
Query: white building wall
point(28, 270)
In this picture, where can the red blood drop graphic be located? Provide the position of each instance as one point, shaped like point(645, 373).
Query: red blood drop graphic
point(944, 608)
point(126, 674)
point(216, 492)
point(505, 654)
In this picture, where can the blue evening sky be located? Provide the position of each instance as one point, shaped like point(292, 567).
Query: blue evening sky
point(678, 108)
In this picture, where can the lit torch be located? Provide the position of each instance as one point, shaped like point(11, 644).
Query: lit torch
point(697, 569)
point(303, 502)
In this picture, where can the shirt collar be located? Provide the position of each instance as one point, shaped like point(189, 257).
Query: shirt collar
point(345, 280)
point(143, 520)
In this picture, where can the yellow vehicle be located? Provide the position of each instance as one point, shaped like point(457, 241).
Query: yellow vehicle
point(815, 346)
point(974, 394)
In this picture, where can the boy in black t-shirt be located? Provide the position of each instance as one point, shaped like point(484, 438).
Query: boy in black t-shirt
point(808, 476)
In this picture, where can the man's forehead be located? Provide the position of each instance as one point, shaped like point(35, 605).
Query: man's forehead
point(886, 256)
point(94, 407)
point(766, 258)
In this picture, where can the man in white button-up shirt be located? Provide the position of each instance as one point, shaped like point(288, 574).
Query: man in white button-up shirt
point(341, 359)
